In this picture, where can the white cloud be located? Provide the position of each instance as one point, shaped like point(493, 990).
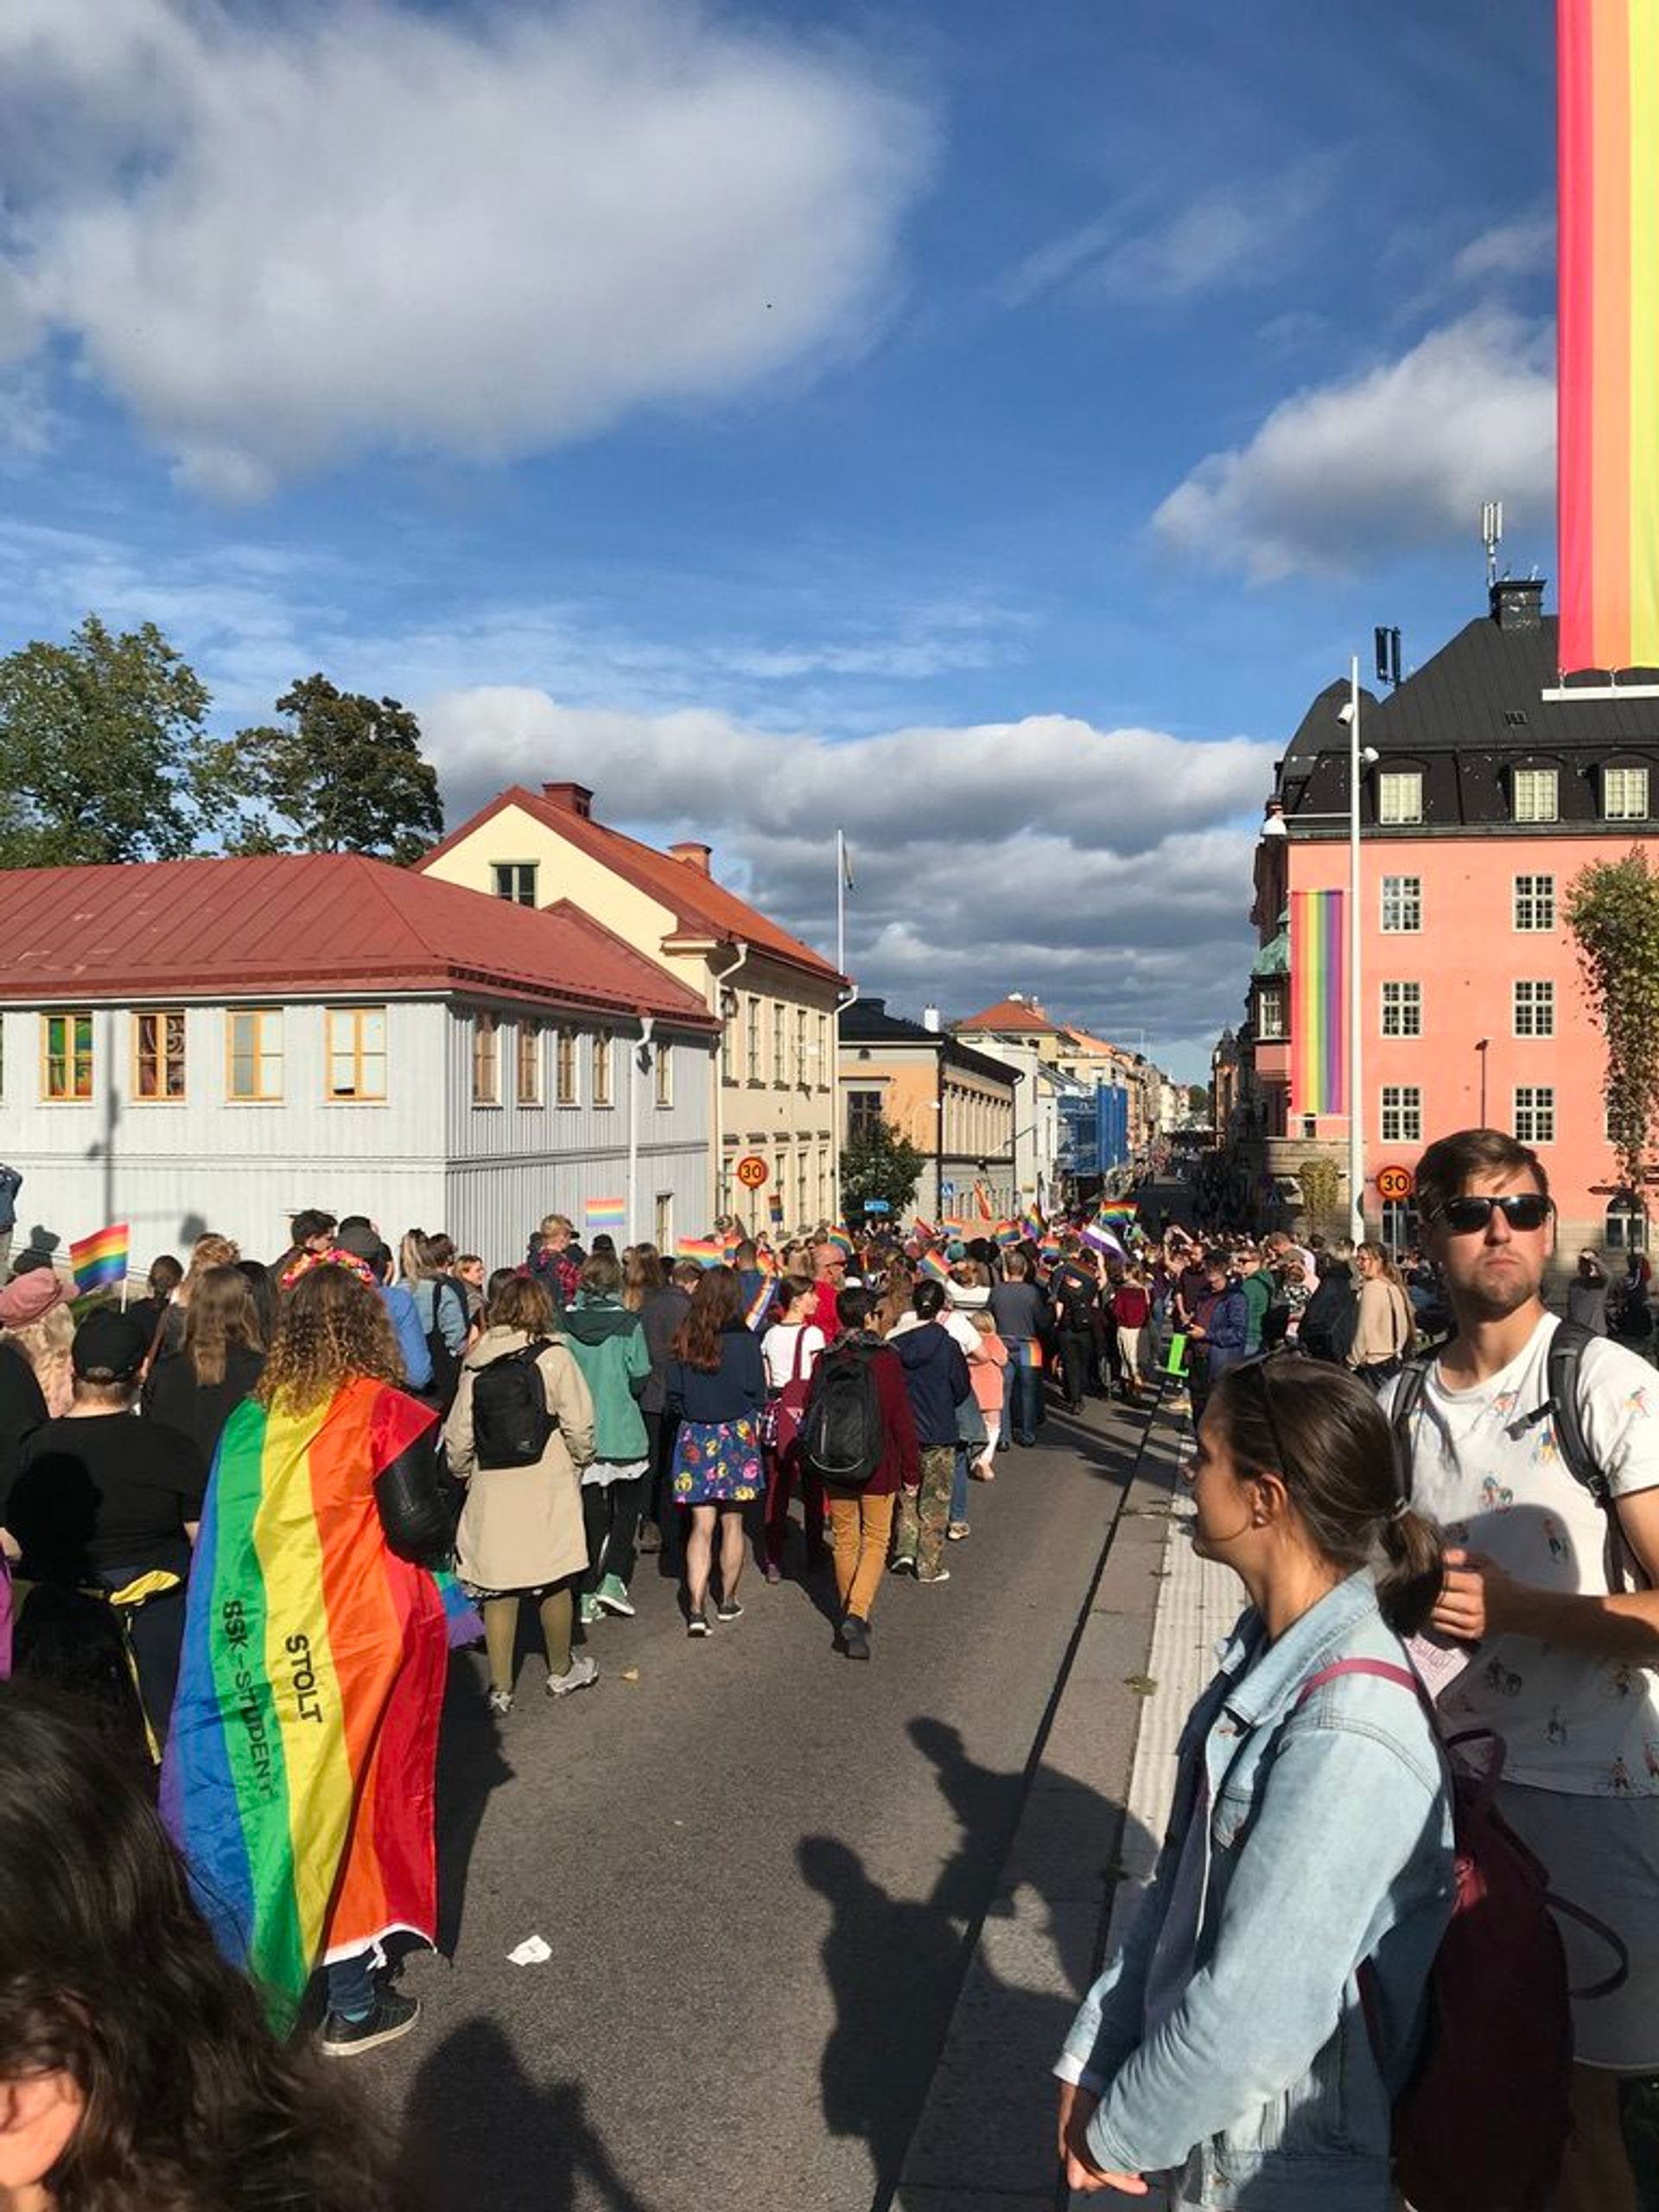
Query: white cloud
point(1525, 248)
point(1402, 455)
point(285, 239)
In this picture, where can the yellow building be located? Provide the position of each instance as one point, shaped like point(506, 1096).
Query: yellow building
point(772, 1077)
point(955, 1106)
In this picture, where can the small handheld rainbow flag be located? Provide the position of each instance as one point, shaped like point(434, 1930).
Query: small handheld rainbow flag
point(100, 1258)
point(923, 1229)
point(1032, 1225)
point(706, 1251)
point(1006, 1233)
point(609, 1214)
point(1118, 1212)
point(934, 1267)
point(843, 1242)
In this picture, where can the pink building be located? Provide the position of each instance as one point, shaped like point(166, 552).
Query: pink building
point(1483, 805)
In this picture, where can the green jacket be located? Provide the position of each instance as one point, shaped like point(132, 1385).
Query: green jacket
point(609, 1345)
point(1258, 1296)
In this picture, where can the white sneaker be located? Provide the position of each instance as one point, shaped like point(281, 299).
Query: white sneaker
point(584, 1669)
point(500, 1701)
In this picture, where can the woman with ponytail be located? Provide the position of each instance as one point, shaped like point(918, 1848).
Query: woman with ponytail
point(1232, 2051)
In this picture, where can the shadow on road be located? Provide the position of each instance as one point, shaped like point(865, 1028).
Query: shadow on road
point(479, 2132)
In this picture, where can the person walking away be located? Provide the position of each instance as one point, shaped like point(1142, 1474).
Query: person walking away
point(716, 1385)
point(663, 1306)
point(1332, 1314)
point(165, 1275)
point(1232, 2051)
point(965, 1296)
point(1587, 1295)
point(199, 1386)
point(441, 1310)
point(1544, 1595)
point(608, 1344)
point(1131, 1310)
point(790, 1349)
point(1218, 1330)
point(1383, 1328)
point(521, 1535)
point(1074, 1293)
point(936, 1376)
point(1024, 1320)
point(757, 1290)
point(316, 1628)
point(105, 1502)
point(361, 1241)
point(858, 1417)
point(988, 1367)
point(830, 1280)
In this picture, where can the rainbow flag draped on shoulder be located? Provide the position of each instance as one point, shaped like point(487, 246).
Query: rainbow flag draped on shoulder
point(299, 1774)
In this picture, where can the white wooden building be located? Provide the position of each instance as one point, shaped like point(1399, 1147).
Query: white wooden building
point(215, 1043)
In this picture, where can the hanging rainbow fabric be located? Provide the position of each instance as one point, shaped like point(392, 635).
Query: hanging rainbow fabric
point(1318, 1013)
point(1608, 334)
point(608, 1214)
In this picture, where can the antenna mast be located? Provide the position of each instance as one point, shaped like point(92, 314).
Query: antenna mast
point(1491, 531)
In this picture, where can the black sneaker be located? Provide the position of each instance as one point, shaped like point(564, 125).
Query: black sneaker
point(856, 1637)
point(697, 1624)
point(728, 1610)
point(393, 2015)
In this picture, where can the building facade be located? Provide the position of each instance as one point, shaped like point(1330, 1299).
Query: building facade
point(772, 998)
point(1484, 804)
point(215, 1043)
point(955, 1106)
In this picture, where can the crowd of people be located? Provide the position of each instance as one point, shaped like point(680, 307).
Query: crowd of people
point(243, 1521)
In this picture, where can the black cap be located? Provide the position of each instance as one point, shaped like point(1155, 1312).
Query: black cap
point(109, 1346)
point(363, 1243)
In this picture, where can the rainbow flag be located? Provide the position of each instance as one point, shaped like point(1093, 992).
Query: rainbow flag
point(608, 1214)
point(706, 1251)
point(1032, 1225)
point(983, 1200)
point(843, 1242)
point(775, 1209)
point(1608, 334)
point(1006, 1233)
point(1319, 1009)
point(756, 1311)
point(1049, 1249)
point(299, 1775)
point(100, 1258)
point(934, 1267)
point(1118, 1213)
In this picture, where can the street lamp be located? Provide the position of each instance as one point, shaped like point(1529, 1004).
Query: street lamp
point(1481, 1047)
point(1358, 759)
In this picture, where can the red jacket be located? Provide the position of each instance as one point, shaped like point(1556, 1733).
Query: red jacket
point(901, 1462)
point(1130, 1305)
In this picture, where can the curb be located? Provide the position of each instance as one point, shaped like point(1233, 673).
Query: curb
point(984, 2141)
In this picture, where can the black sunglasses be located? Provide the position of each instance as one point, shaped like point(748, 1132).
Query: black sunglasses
point(1465, 1216)
point(1258, 1370)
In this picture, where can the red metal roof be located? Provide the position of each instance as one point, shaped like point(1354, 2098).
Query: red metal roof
point(700, 907)
point(1011, 1013)
point(289, 923)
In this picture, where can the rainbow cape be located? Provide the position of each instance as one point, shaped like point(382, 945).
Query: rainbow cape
point(299, 1771)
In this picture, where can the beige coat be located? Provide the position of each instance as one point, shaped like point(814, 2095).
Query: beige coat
point(521, 1526)
point(1384, 1328)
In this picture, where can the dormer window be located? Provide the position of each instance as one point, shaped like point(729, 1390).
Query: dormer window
point(1537, 795)
point(1624, 794)
point(1400, 796)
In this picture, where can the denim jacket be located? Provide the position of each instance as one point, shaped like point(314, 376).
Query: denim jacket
point(1328, 1843)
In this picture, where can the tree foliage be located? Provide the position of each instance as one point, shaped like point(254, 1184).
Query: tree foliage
point(1321, 1191)
point(342, 773)
point(878, 1163)
point(1198, 1100)
point(1613, 913)
point(102, 755)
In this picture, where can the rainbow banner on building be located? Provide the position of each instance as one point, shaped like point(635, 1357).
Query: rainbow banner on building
point(1319, 1002)
point(1608, 334)
point(101, 1258)
point(608, 1214)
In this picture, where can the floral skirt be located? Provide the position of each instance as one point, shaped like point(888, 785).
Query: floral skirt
point(717, 1463)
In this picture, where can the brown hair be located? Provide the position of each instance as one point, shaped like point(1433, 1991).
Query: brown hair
point(1323, 1434)
point(1017, 1266)
point(222, 1314)
point(209, 1251)
point(715, 1304)
point(522, 1303)
point(601, 1276)
point(331, 1328)
point(642, 1273)
point(1449, 1163)
point(790, 1290)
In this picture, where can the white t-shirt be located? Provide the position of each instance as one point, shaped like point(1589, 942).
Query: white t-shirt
point(782, 1346)
point(1495, 1482)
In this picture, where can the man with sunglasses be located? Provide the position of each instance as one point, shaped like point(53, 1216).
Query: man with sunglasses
point(1551, 1598)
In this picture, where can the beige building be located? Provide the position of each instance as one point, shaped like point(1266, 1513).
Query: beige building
point(772, 1080)
point(955, 1106)
point(1018, 1019)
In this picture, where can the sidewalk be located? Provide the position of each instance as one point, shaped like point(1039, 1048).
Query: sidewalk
point(1085, 1845)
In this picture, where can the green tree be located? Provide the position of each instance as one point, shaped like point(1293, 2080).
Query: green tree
point(101, 751)
point(1321, 1190)
point(879, 1163)
point(1613, 911)
point(1198, 1100)
point(343, 773)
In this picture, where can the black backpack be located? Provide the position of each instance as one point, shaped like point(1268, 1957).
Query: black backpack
point(1078, 1297)
point(843, 1441)
point(446, 1367)
point(512, 1421)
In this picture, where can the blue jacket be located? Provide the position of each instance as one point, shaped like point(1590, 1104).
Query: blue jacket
point(936, 1375)
point(1227, 1330)
point(11, 1182)
point(735, 1391)
point(411, 1337)
point(1328, 1843)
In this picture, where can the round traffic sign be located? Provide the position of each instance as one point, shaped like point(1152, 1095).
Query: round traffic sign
point(752, 1170)
point(1395, 1182)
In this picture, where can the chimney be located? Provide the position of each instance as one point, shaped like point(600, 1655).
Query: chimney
point(873, 1006)
point(694, 856)
point(1518, 602)
point(571, 799)
point(931, 1019)
point(1016, 998)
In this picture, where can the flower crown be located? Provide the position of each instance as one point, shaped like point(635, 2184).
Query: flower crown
point(349, 1261)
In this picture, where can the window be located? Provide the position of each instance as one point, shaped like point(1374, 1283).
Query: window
point(1399, 1224)
point(158, 1056)
point(1625, 1227)
point(1399, 795)
point(565, 1075)
point(602, 1067)
point(803, 1074)
point(486, 1060)
point(515, 880)
point(780, 1050)
point(826, 1072)
point(863, 1116)
point(1535, 902)
point(1536, 795)
point(663, 1225)
point(1535, 1009)
point(1403, 905)
point(1271, 1012)
point(665, 1060)
point(67, 1055)
point(1402, 1114)
point(728, 1048)
point(1535, 1113)
point(1402, 1010)
point(255, 1037)
point(527, 1088)
point(1624, 794)
point(357, 1052)
point(752, 1041)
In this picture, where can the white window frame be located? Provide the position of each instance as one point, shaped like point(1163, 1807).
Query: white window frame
point(1532, 1006)
point(1536, 900)
point(1406, 1006)
point(1273, 1010)
point(1632, 780)
point(517, 870)
point(1400, 1114)
point(267, 1023)
point(1406, 900)
point(1399, 796)
point(1536, 794)
point(1534, 1120)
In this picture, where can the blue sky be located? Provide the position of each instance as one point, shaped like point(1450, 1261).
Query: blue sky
point(984, 426)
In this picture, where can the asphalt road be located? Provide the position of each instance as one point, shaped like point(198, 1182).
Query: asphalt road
point(759, 1867)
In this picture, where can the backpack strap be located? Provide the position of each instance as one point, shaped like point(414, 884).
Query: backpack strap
point(1566, 1349)
point(1407, 1396)
point(1385, 1671)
